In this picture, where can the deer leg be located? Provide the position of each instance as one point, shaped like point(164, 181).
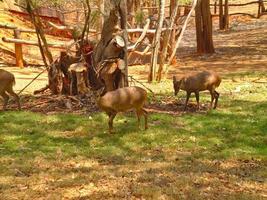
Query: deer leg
point(6, 98)
point(12, 93)
point(217, 95)
point(110, 121)
point(138, 114)
point(197, 98)
point(212, 98)
point(145, 116)
point(187, 99)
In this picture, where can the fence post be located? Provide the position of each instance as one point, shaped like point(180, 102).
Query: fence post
point(18, 50)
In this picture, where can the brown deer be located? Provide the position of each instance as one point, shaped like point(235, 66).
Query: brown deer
point(201, 81)
point(121, 100)
point(7, 80)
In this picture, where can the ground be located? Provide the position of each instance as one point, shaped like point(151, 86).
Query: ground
point(217, 154)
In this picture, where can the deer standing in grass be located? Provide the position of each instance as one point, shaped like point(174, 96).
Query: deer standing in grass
point(198, 82)
point(121, 100)
point(7, 80)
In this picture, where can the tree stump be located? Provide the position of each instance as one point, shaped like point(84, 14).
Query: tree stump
point(79, 81)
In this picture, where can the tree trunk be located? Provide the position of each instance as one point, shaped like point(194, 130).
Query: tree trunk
point(226, 15)
point(173, 4)
point(156, 43)
point(114, 26)
point(223, 15)
point(204, 27)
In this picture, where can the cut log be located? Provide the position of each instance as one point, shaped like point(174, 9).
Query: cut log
point(79, 79)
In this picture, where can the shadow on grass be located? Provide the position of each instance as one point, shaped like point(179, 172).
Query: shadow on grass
point(186, 156)
point(30, 132)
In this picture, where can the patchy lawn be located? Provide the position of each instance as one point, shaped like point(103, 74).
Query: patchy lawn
point(217, 154)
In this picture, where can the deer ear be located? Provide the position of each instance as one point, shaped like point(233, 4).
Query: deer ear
point(174, 79)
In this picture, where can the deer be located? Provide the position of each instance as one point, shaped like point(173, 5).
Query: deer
point(7, 81)
point(201, 81)
point(121, 100)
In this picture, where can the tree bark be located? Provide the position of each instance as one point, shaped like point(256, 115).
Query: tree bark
point(204, 27)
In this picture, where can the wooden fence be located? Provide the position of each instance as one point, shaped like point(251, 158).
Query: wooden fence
point(260, 3)
point(18, 42)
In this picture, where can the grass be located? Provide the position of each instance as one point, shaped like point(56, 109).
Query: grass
point(206, 155)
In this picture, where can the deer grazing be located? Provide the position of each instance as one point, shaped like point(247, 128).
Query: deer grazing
point(7, 80)
point(198, 82)
point(121, 100)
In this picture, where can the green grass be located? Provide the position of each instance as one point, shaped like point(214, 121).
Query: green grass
point(236, 131)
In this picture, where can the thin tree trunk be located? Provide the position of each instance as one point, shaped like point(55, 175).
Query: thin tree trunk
point(54, 79)
point(182, 32)
point(86, 24)
point(156, 43)
point(123, 14)
point(221, 14)
point(166, 41)
point(226, 15)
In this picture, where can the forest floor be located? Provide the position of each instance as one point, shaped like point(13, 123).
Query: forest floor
point(220, 154)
